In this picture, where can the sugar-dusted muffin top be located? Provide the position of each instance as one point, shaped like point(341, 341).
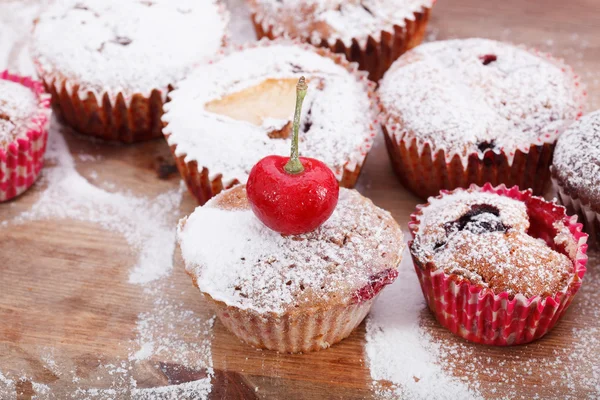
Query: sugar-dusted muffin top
point(18, 105)
point(128, 46)
point(229, 114)
point(483, 238)
point(467, 96)
point(576, 163)
point(236, 259)
point(337, 19)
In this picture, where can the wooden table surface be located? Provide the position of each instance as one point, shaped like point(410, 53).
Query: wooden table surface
point(67, 309)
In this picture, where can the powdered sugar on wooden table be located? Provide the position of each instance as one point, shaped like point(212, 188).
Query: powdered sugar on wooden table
point(126, 46)
point(338, 19)
point(400, 351)
point(18, 104)
point(336, 128)
point(459, 95)
point(147, 224)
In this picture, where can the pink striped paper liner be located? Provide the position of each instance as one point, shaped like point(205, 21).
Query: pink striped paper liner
point(477, 314)
point(22, 159)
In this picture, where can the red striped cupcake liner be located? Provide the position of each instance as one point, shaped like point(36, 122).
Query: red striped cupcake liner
point(475, 313)
point(22, 159)
point(375, 55)
point(201, 182)
point(425, 172)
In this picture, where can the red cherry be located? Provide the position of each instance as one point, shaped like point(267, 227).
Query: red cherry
point(292, 203)
point(292, 195)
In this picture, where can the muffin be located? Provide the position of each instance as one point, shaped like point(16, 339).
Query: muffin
point(227, 115)
point(371, 33)
point(576, 172)
point(293, 293)
point(109, 64)
point(497, 266)
point(474, 111)
point(24, 112)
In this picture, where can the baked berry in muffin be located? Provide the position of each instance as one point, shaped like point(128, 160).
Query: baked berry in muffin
point(372, 33)
point(24, 112)
point(227, 115)
point(468, 111)
point(490, 259)
point(576, 172)
point(109, 64)
point(290, 293)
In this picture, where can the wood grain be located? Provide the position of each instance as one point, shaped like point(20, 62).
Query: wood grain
point(64, 284)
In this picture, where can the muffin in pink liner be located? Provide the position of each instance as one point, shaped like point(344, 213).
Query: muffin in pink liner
point(371, 33)
point(497, 266)
point(576, 173)
point(468, 111)
point(290, 293)
point(24, 113)
point(228, 114)
point(109, 64)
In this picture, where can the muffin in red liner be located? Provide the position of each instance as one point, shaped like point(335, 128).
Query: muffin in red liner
point(497, 266)
point(290, 293)
point(370, 33)
point(475, 111)
point(576, 173)
point(227, 115)
point(24, 113)
point(109, 64)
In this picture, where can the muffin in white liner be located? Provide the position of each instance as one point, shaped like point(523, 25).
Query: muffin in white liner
point(294, 293)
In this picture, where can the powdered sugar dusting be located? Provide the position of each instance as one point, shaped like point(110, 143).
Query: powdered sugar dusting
point(337, 115)
point(245, 264)
point(576, 161)
point(337, 19)
point(18, 104)
point(143, 222)
point(126, 46)
point(403, 353)
point(482, 237)
point(502, 97)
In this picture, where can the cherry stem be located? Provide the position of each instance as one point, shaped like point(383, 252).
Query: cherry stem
point(294, 166)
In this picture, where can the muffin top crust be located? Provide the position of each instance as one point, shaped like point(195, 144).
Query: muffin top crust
point(236, 259)
point(18, 105)
point(336, 19)
point(483, 238)
point(468, 96)
point(576, 163)
point(126, 46)
point(229, 114)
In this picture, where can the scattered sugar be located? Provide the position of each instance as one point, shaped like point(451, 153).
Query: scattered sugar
point(503, 97)
point(145, 223)
point(245, 264)
point(240, 30)
point(338, 19)
point(336, 127)
point(401, 352)
point(126, 46)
